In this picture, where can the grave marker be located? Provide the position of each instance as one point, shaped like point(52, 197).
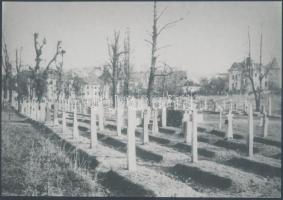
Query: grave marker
point(47, 113)
point(164, 117)
point(101, 116)
point(188, 127)
point(269, 106)
point(194, 137)
point(220, 119)
point(131, 146)
point(155, 121)
point(146, 117)
point(93, 131)
point(250, 140)
point(230, 125)
point(265, 123)
point(119, 114)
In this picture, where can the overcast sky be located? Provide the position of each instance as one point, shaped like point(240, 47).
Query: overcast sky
point(212, 36)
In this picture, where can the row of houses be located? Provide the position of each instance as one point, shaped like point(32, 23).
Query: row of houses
point(177, 82)
point(92, 86)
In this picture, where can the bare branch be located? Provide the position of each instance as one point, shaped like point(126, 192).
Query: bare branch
point(149, 33)
point(165, 46)
point(161, 13)
point(148, 41)
point(58, 51)
point(169, 25)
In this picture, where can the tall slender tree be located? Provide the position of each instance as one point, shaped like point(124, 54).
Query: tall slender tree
point(114, 64)
point(127, 64)
point(156, 31)
point(39, 76)
point(7, 65)
point(250, 69)
point(21, 79)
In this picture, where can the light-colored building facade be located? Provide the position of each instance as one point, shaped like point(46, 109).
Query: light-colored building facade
point(239, 82)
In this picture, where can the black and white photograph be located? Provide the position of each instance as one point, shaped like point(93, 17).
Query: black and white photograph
point(141, 99)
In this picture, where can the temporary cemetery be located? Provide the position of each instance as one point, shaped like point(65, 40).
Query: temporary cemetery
point(183, 147)
point(94, 103)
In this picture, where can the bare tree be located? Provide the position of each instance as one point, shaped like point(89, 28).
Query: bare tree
point(59, 71)
point(156, 31)
point(115, 63)
point(249, 71)
point(127, 64)
point(21, 84)
point(7, 65)
point(39, 77)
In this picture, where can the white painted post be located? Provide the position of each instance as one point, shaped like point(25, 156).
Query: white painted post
point(42, 108)
point(230, 125)
point(220, 119)
point(131, 150)
point(164, 117)
point(155, 121)
point(265, 123)
point(119, 116)
point(250, 140)
point(75, 125)
point(269, 106)
point(146, 117)
point(30, 110)
point(93, 131)
point(188, 127)
point(101, 116)
point(47, 113)
point(194, 137)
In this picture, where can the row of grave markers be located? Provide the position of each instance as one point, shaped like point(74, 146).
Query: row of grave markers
point(190, 121)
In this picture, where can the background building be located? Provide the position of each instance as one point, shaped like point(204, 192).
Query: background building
point(238, 82)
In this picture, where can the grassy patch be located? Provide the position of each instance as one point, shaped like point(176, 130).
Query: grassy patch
point(33, 166)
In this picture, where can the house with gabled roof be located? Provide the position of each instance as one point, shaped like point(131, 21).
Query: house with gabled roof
point(239, 82)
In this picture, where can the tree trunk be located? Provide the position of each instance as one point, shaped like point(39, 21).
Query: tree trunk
point(10, 91)
point(257, 104)
point(5, 87)
point(113, 93)
point(153, 57)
